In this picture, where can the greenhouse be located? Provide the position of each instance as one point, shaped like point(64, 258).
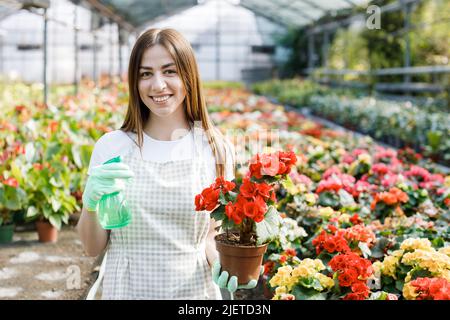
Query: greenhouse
point(224, 150)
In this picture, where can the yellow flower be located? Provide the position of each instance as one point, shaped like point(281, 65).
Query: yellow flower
point(365, 157)
point(445, 274)
point(409, 292)
point(344, 218)
point(326, 212)
point(445, 250)
point(310, 199)
point(416, 243)
point(377, 265)
point(325, 281)
point(431, 260)
point(318, 264)
point(291, 282)
point(397, 253)
point(447, 181)
point(280, 290)
point(408, 277)
point(389, 266)
point(275, 281)
point(352, 168)
point(315, 264)
point(301, 272)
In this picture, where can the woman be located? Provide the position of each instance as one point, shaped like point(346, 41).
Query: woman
point(171, 150)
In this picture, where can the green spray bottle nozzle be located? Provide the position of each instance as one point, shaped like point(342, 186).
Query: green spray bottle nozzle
point(116, 159)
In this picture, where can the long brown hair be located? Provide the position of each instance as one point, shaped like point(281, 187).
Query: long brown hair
point(194, 104)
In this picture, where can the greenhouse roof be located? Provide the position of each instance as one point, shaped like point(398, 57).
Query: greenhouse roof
point(296, 13)
point(132, 14)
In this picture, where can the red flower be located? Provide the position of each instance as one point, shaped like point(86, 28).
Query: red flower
point(291, 252)
point(352, 272)
point(338, 262)
point(199, 203)
point(380, 169)
point(248, 189)
point(38, 166)
point(273, 164)
point(207, 200)
point(268, 266)
point(329, 245)
point(270, 164)
point(255, 209)
point(355, 219)
point(12, 182)
point(347, 278)
point(223, 185)
point(432, 288)
point(233, 213)
point(53, 126)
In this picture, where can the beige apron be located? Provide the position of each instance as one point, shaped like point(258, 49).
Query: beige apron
point(161, 253)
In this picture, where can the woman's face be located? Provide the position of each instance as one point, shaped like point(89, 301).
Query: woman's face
point(160, 86)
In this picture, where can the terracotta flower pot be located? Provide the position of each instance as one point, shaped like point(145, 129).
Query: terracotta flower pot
point(241, 261)
point(46, 231)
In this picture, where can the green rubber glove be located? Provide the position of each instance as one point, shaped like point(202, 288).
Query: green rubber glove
point(104, 179)
point(221, 279)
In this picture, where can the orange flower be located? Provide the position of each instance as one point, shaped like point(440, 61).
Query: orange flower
point(388, 198)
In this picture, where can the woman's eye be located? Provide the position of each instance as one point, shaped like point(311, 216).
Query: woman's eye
point(145, 74)
point(171, 71)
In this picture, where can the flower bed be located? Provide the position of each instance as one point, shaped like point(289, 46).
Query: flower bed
point(423, 126)
point(345, 200)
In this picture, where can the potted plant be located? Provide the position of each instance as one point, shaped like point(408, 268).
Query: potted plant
point(247, 213)
point(12, 199)
point(50, 199)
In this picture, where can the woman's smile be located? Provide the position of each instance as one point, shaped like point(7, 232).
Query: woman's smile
point(162, 99)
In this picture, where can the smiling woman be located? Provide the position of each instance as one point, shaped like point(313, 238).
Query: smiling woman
point(162, 90)
point(167, 249)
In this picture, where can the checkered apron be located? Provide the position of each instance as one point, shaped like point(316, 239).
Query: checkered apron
point(161, 253)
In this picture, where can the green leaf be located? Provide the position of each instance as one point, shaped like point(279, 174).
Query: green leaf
point(364, 249)
point(346, 199)
point(47, 211)
point(76, 156)
point(55, 220)
point(222, 199)
point(85, 154)
point(269, 228)
point(55, 183)
point(218, 214)
point(56, 205)
point(12, 200)
point(328, 199)
point(32, 211)
point(302, 293)
point(311, 282)
point(399, 285)
point(318, 296)
point(16, 173)
point(52, 149)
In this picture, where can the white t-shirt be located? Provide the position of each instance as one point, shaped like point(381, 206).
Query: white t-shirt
point(117, 143)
